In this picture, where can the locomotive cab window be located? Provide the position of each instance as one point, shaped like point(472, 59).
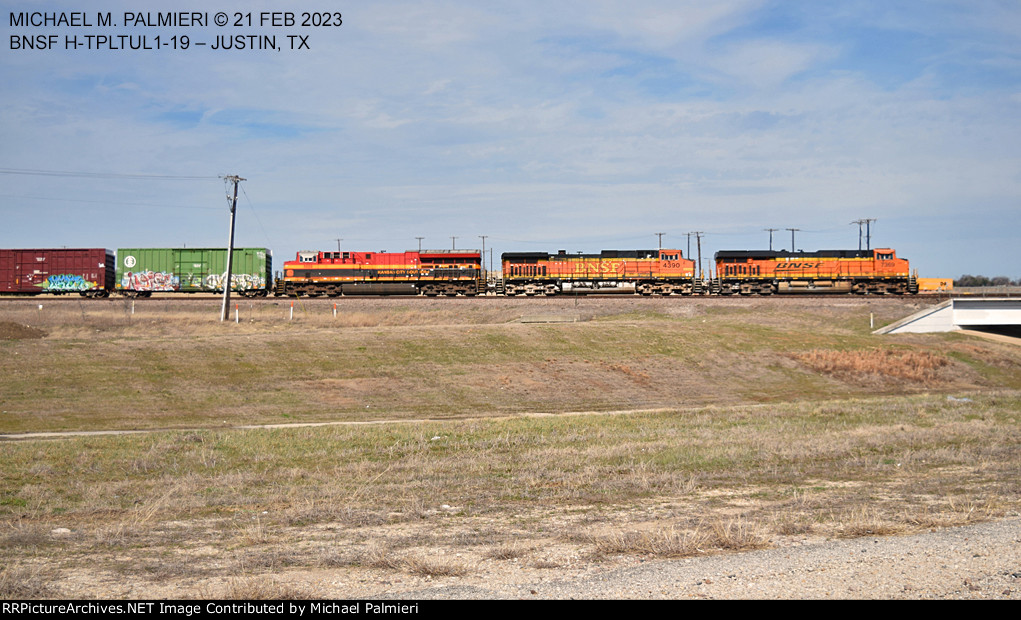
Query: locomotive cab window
point(885, 256)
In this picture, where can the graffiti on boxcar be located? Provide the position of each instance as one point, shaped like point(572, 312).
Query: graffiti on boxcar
point(150, 281)
point(191, 281)
point(67, 282)
point(238, 281)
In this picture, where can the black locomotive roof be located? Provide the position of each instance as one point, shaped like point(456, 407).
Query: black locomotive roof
point(629, 254)
point(786, 255)
point(526, 256)
point(517, 256)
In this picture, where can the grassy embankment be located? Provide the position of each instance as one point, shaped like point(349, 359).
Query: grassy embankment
point(759, 423)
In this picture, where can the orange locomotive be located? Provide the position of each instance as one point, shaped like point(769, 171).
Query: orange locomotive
point(431, 272)
point(648, 272)
point(838, 271)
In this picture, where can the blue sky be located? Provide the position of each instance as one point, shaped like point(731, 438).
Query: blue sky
point(577, 125)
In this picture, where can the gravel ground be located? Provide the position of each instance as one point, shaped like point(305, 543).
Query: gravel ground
point(974, 562)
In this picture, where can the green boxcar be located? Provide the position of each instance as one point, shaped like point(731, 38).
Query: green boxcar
point(143, 271)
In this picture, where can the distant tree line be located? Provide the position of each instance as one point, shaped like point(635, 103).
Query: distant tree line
point(968, 280)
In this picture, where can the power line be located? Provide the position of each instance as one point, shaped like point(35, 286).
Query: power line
point(259, 221)
point(107, 202)
point(102, 175)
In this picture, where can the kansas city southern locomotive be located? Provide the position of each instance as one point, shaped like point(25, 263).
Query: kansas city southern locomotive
point(431, 273)
point(140, 272)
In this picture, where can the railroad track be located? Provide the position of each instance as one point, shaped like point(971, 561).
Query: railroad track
point(206, 297)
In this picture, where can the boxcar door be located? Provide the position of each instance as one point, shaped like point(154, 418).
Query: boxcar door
point(34, 270)
point(193, 270)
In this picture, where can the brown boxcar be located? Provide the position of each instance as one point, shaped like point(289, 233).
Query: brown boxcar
point(765, 272)
point(647, 272)
point(88, 272)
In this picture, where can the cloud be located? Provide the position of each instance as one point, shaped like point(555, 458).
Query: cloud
point(767, 64)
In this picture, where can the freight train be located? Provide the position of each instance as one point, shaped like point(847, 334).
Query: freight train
point(139, 272)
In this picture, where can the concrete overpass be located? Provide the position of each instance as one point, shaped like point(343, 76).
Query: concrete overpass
point(992, 315)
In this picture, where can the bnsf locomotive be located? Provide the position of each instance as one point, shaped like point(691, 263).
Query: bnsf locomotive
point(647, 272)
point(761, 272)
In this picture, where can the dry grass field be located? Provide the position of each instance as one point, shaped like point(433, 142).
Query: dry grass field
point(454, 440)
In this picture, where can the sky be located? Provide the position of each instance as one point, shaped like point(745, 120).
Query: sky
point(574, 125)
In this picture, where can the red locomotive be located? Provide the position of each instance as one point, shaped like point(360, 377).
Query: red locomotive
point(431, 272)
point(647, 272)
point(764, 272)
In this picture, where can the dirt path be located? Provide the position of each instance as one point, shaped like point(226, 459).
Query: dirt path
point(973, 562)
point(59, 434)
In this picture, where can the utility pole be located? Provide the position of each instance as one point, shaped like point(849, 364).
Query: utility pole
point(688, 255)
point(419, 243)
point(698, 239)
point(660, 235)
point(338, 244)
point(771, 231)
point(483, 237)
point(453, 243)
point(792, 236)
point(865, 221)
point(225, 313)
